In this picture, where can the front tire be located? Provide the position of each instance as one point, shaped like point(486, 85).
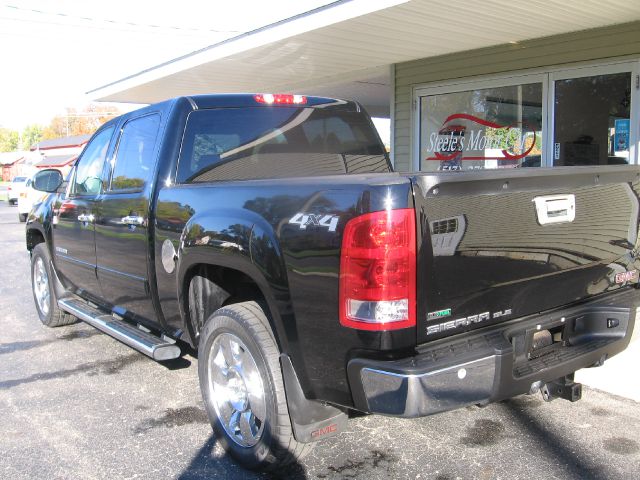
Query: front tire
point(22, 217)
point(242, 387)
point(44, 293)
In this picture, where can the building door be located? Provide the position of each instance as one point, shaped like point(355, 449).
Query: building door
point(592, 113)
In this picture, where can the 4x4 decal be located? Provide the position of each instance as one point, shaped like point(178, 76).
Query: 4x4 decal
point(306, 219)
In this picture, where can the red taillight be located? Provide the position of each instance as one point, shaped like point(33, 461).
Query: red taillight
point(378, 271)
point(280, 99)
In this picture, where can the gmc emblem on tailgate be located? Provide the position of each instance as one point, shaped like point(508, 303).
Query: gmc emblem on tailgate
point(630, 276)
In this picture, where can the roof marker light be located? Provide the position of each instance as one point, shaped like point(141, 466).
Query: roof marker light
point(280, 99)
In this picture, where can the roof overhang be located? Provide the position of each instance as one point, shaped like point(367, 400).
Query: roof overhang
point(346, 48)
point(56, 161)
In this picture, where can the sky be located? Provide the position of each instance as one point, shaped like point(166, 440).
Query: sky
point(53, 51)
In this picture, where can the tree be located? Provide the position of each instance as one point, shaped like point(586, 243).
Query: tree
point(31, 135)
point(79, 122)
point(9, 140)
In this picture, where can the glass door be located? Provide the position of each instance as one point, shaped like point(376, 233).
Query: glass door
point(592, 112)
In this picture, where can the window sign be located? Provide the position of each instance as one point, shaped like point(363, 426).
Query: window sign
point(497, 127)
point(621, 135)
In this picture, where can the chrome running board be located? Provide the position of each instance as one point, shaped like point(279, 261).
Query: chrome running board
point(145, 342)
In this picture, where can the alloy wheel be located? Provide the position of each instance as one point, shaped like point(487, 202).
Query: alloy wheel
point(237, 390)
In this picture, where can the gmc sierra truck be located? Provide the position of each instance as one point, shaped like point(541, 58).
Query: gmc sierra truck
point(270, 233)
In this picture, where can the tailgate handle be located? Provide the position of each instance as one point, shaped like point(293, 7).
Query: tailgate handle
point(86, 218)
point(132, 220)
point(555, 208)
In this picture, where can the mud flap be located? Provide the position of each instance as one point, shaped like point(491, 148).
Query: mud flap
point(311, 420)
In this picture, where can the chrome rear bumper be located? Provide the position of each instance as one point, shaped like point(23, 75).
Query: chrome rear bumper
point(493, 363)
point(430, 392)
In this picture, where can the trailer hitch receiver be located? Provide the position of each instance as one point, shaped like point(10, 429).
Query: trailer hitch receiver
point(563, 387)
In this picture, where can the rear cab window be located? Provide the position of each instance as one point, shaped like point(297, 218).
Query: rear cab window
point(277, 142)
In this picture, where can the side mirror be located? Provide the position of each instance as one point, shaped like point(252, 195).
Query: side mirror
point(47, 180)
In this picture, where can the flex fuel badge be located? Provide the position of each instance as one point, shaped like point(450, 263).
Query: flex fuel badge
point(439, 314)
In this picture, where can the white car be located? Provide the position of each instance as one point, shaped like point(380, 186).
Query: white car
point(15, 187)
point(27, 198)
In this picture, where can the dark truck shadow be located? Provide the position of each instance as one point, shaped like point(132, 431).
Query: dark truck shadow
point(106, 367)
point(101, 367)
point(185, 360)
point(204, 464)
point(28, 345)
point(575, 461)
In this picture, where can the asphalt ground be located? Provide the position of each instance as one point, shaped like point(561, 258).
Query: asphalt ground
point(76, 404)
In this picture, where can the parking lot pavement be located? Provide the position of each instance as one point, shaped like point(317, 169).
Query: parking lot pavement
point(76, 404)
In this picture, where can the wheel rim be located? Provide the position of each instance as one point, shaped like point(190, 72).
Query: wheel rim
point(41, 286)
point(237, 390)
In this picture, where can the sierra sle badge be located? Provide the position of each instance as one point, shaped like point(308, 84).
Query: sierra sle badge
point(464, 321)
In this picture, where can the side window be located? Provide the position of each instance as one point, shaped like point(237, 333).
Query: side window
point(89, 171)
point(134, 161)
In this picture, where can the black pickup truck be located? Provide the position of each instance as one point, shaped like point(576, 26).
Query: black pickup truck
point(270, 233)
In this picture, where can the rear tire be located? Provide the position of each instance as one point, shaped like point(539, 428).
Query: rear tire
point(243, 391)
point(22, 217)
point(43, 288)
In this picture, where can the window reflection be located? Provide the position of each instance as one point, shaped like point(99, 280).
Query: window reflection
point(497, 127)
point(592, 120)
point(251, 143)
point(135, 157)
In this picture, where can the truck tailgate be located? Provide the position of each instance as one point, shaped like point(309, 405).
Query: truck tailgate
point(502, 244)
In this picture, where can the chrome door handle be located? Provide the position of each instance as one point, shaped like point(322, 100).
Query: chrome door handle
point(86, 218)
point(132, 220)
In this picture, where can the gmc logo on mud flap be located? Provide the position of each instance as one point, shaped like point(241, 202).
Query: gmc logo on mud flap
point(325, 430)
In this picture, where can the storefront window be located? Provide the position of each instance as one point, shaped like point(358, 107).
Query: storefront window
point(578, 116)
point(592, 120)
point(486, 128)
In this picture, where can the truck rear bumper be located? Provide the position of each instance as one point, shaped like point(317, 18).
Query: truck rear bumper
point(496, 362)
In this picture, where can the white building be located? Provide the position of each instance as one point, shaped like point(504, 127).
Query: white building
point(466, 84)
